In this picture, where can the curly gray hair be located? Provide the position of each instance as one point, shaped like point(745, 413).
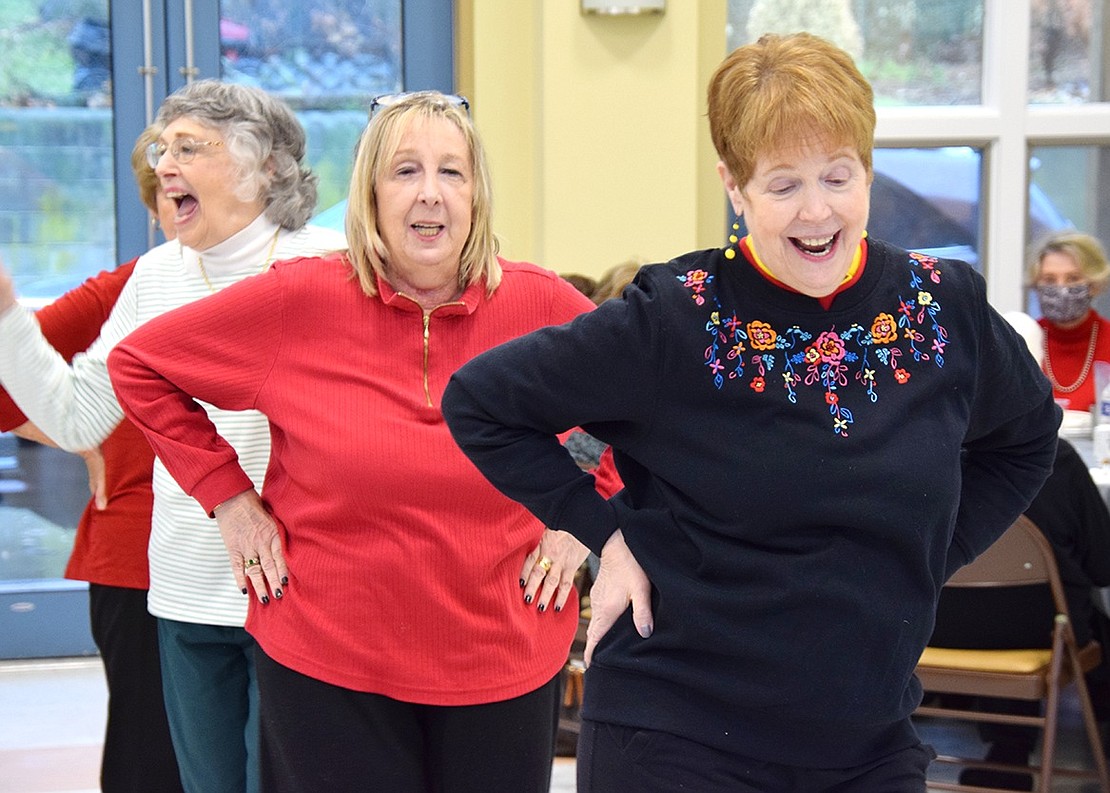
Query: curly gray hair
point(263, 137)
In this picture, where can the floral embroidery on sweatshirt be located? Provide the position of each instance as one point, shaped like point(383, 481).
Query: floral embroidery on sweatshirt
point(830, 359)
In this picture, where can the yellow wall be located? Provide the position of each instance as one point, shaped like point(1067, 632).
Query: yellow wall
point(595, 128)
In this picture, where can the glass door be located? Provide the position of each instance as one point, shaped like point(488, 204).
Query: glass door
point(79, 79)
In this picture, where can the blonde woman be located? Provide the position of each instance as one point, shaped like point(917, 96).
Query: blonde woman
point(1067, 271)
point(411, 620)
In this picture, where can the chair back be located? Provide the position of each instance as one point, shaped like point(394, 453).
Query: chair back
point(1021, 556)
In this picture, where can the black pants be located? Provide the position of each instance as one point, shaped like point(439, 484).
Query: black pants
point(616, 759)
point(138, 755)
point(317, 737)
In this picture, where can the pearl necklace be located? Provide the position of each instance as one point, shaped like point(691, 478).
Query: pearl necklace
point(265, 264)
point(1090, 359)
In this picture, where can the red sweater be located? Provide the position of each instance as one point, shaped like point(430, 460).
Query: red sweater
point(404, 561)
point(1067, 351)
point(110, 547)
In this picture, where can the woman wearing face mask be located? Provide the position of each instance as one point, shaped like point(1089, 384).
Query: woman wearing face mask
point(1069, 269)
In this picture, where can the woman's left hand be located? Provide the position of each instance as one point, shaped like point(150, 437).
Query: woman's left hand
point(253, 545)
point(550, 569)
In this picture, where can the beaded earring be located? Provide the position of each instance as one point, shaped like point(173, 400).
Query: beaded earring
point(730, 251)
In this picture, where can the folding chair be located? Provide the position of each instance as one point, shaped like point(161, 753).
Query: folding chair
point(1021, 556)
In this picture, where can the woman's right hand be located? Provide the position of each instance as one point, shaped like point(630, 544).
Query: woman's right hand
point(620, 581)
point(253, 544)
point(98, 487)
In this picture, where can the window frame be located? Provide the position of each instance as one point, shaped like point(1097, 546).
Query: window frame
point(1006, 127)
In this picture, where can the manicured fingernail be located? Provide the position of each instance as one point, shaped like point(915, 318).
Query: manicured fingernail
point(527, 598)
point(285, 580)
point(522, 583)
point(558, 609)
point(277, 594)
point(543, 606)
point(243, 590)
point(265, 599)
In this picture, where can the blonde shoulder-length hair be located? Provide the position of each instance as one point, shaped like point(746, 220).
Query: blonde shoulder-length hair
point(376, 147)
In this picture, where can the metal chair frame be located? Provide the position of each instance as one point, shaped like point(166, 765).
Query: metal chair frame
point(1021, 556)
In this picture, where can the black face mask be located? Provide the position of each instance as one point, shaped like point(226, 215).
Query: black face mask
point(1064, 304)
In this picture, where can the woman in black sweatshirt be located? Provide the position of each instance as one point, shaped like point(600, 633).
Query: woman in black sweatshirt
point(814, 429)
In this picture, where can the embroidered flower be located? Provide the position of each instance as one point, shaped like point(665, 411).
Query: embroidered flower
point(829, 346)
point(901, 375)
point(928, 263)
point(831, 398)
point(812, 355)
point(761, 335)
point(697, 277)
point(924, 299)
point(884, 329)
point(695, 281)
point(758, 384)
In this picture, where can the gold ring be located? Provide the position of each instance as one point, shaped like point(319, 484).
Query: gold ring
point(543, 563)
point(250, 563)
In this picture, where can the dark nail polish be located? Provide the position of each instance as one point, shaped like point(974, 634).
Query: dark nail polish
point(265, 599)
point(285, 580)
point(542, 606)
point(243, 590)
point(527, 598)
point(277, 594)
point(558, 609)
point(522, 583)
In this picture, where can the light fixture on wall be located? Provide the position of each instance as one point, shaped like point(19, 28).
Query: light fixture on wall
point(619, 7)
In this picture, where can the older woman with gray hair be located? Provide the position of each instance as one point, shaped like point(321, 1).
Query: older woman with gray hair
point(231, 158)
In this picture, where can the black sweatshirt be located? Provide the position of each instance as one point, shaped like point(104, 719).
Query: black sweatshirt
point(799, 483)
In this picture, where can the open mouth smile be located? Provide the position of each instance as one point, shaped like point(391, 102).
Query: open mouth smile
point(186, 204)
point(427, 229)
point(815, 246)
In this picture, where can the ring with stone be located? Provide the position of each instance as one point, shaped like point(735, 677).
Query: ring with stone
point(250, 563)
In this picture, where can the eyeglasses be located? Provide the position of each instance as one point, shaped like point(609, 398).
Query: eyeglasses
point(183, 150)
point(385, 100)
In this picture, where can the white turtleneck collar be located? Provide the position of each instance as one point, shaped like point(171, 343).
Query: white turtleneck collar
point(245, 250)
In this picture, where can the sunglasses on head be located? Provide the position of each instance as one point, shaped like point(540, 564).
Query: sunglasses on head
point(385, 100)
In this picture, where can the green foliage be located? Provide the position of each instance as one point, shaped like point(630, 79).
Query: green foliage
point(58, 222)
point(831, 19)
point(35, 62)
point(891, 27)
point(334, 177)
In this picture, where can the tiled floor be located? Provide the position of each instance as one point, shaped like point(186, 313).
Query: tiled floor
point(52, 720)
point(52, 724)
